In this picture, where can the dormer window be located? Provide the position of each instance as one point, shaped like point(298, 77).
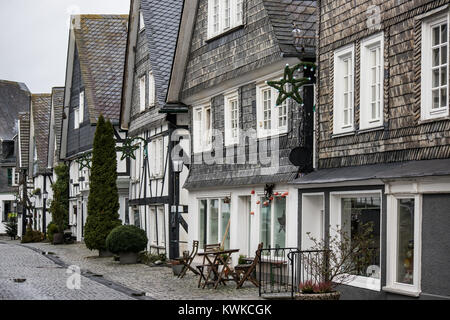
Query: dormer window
point(224, 15)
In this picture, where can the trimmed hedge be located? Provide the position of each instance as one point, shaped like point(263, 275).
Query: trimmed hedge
point(126, 239)
point(52, 228)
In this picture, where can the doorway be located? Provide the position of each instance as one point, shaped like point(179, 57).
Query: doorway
point(313, 219)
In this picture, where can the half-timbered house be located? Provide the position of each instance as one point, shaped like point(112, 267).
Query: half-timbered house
point(154, 192)
point(38, 169)
point(93, 86)
point(14, 99)
point(383, 142)
point(240, 139)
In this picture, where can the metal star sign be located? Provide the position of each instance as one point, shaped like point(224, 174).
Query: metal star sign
point(128, 148)
point(289, 86)
point(84, 161)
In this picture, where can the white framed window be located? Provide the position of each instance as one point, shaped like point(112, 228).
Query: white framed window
point(141, 21)
point(348, 211)
point(343, 108)
point(435, 56)
point(157, 158)
point(224, 15)
point(214, 219)
point(76, 118)
point(151, 89)
point(272, 222)
point(271, 119)
point(81, 115)
point(16, 177)
point(157, 218)
point(404, 244)
point(202, 129)
point(372, 82)
point(232, 114)
point(142, 93)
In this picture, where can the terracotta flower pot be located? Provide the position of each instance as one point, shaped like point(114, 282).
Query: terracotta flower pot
point(318, 296)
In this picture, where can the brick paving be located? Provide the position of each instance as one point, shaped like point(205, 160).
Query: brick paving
point(156, 282)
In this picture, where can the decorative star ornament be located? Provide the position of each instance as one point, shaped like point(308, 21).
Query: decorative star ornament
point(128, 148)
point(84, 161)
point(289, 86)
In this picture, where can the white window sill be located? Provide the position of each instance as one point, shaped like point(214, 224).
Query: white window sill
point(215, 36)
point(412, 293)
point(434, 119)
point(368, 283)
point(371, 129)
point(271, 135)
point(343, 134)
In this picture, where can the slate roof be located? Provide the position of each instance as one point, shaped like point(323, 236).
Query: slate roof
point(58, 107)
point(41, 104)
point(101, 42)
point(14, 98)
point(24, 118)
point(395, 170)
point(162, 22)
point(287, 15)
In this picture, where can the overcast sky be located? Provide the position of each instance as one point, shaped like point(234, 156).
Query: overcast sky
point(34, 38)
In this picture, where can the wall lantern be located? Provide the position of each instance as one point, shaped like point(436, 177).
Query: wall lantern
point(177, 166)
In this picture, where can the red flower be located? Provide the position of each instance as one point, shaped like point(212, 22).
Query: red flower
point(253, 192)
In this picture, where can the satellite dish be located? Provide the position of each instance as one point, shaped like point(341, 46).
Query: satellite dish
point(300, 157)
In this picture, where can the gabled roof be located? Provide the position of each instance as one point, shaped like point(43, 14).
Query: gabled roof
point(14, 98)
point(287, 15)
point(162, 22)
point(24, 139)
point(101, 43)
point(41, 107)
point(58, 110)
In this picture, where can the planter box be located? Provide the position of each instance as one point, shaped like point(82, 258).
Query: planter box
point(58, 238)
point(128, 257)
point(105, 254)
point(318, 296)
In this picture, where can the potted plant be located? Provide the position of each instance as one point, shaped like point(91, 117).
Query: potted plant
point(337, 260)
point(177, 267)
point(11, 226)
point(127, 242)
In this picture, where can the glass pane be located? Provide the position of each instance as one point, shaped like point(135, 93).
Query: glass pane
point(265, 223)
point(444, 33)
point(346, 87)
point(213, 218)
point(443, 76)
point(405, 241)
point(225, 218)
point(202, 221)
point(435, 57)
point(374, 110)
point(436, 99)
point(374, 75)
point(357, 212)
point(280, 223)
point(435, 78)
point(443, 97)
point(444, 55)
point(435, 32)
point(374, 93)
point(137, 218)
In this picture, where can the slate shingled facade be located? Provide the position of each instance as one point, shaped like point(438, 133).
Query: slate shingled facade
point(391, 173)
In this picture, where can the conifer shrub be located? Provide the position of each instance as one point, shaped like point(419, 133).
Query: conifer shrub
point(103, 201)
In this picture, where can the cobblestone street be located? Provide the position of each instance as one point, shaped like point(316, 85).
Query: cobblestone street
point(47, 279)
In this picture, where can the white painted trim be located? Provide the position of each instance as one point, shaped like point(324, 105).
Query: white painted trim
point(426, 79)
point(338, 126)
point(392, 238)
point(366, 121)
point(228, 99)
point(335, 220)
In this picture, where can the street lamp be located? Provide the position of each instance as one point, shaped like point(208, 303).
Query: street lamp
point(177, 166)
point(44, 216)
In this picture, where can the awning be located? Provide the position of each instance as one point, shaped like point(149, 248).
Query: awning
point(385, 171)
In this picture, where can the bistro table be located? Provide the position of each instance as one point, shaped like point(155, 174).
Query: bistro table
point(216, 259)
